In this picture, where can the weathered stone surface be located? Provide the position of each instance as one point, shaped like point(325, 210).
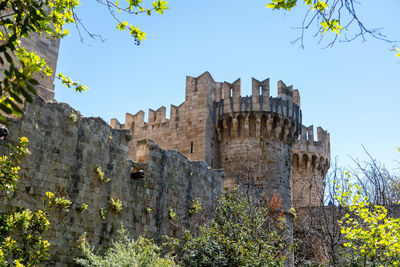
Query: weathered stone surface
point(252, 138)
point(67, 148)
point(310, 163)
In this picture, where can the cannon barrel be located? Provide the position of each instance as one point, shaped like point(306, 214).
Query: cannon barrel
point(3, 132)
point(137, 175)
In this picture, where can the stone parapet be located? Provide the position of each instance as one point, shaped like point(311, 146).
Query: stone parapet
point(259, 114)
point(310, 163)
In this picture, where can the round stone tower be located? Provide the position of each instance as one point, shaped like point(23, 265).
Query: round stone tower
point(310, 162)
point(256, 134)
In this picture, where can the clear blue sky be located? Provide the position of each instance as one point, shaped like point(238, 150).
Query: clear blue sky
point(351, 90)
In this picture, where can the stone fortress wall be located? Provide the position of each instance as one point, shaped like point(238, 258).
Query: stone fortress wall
point(189, 129)
point(310, 163)
point(256, 134)
point(252, 138)
point(67, 148)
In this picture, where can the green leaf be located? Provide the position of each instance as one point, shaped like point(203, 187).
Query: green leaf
point(27, 96)
point(7, 56)
point(33, 81)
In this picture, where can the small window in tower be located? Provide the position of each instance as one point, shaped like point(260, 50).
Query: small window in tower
point(191, 147)
point(230, 92)
point(260, 90)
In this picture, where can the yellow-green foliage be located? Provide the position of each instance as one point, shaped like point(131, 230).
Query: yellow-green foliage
point(21, 241)
point(195, 207)
point(240, 234)
point(126, 252)
point(46, 18)
point(82, 207)
point(103, 214)
point(100, 175)
point(147, 210)
point(9, 166)
point(319, 7)
point(171, 214)
point(28, 17)
point(116, 205)
point(73, 116)
point(372, 238)
point(60, 202)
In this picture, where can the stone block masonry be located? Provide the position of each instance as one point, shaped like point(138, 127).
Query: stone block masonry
point(310, 163)
point(67, 148)
point(46, 48)
point(252, 138)
point(257, 139)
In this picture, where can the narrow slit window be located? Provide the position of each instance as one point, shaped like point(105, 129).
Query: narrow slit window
point(260, 90)
point(191, 147)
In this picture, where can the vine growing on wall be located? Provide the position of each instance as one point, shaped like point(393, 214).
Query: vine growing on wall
point(100, 175)
point(116, 205)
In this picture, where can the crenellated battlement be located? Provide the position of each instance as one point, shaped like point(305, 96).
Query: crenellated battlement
point(309, 154)
point(258, 138)
point(310, 163)
point(258, 115)
point(308, 144)
point(156, 118)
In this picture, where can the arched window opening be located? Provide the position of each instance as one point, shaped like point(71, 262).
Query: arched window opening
point(314, 162)
point(240, 125)
point(263, 126)
point(229, 125)
point(304, 161)
point(252, 125)
point(295, 162)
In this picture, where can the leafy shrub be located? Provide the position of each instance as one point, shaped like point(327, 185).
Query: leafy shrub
point(9, 165)
point(126, 252)
point(60, 202)
point(243, 233)
point(371, 237)
point(21, 231)
point(195, 207)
